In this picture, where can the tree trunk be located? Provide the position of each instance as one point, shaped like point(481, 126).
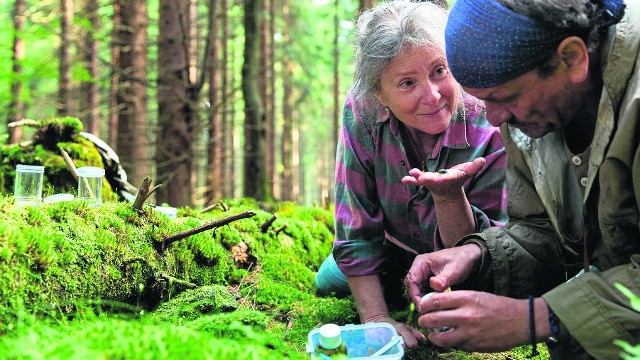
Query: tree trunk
point(226, 125)
point(132, 90)
point(255, 179)
point(174, 148)
point(287, 112)
point(89, 108)
point(114, 77)
point(214, 171)
point(64, 88)
point(16, 108)
point(366, 4)
point(271, 146)
point(263, 85)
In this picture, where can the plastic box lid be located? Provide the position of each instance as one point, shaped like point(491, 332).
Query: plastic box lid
point(364, 340)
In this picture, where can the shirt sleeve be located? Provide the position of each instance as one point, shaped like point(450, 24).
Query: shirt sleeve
point(522, 258)
point(358, 245)
point(592, 301)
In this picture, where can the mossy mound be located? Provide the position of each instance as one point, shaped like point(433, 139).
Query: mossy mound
point(43, 150)
point(59, 262)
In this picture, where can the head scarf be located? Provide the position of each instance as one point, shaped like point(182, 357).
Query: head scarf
point(487, 44)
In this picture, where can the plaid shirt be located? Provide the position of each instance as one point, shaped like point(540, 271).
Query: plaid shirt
point(373, 208)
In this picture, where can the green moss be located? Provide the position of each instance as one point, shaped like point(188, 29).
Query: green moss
point(194, 303)
point(80, 282)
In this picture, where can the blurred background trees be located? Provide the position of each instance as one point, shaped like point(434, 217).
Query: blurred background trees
point(212, 98)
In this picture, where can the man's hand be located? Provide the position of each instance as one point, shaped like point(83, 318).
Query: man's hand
point(480, 321)
point(441, 269)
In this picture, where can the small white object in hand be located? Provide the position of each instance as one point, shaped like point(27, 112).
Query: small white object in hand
point(435, 330)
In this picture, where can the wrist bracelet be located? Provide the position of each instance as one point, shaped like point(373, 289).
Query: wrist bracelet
point(532, 328)
point(554, 324)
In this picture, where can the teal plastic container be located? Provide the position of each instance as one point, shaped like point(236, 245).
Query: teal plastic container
point(373, 340)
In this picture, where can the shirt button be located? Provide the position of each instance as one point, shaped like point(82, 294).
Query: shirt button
point(416, 235)
point(402, 162)
point(584, 181)
point(576, 160)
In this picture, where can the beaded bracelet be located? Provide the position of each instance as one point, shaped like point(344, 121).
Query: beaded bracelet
point(532, 328)
point(554, 324)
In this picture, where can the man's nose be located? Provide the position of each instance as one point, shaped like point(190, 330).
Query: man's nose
point(497, 115)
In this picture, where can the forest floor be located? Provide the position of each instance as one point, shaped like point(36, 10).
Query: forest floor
point(113, 282)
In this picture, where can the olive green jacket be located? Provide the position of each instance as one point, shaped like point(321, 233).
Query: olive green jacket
point(545, 205)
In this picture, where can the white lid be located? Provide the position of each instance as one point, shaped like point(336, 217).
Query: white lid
point(30, 168)
point(90, 171)
point(330, 336)
point(58, 198)
point(167, 210)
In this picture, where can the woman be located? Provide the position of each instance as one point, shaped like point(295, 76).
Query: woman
point(405, 114)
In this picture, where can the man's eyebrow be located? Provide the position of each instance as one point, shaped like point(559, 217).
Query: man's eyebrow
point(498, 99)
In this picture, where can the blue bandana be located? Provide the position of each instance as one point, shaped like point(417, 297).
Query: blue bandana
point(487, 44)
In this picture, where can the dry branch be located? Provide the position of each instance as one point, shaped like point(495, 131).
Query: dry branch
point(173, 280)
point(70, 165)
point(211, 225)
point(280, 229)
point(143, 194)
point(24, 122)
point(72, 168)
point(219, 204)
point(264, 227)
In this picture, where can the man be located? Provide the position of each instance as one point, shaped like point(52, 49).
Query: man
point(562, 79)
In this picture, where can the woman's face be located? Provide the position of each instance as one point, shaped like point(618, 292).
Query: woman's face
point(419, 89)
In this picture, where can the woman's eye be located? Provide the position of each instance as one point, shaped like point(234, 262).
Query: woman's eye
point(439, 73)
point(406, 83)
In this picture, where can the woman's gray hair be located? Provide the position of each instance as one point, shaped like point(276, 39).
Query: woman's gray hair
point(383, 33)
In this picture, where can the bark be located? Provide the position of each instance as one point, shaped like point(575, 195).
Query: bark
point(16, 108)
point(263, 85)
point(114, 77)
point(255, 179)
point(133, 144)
point(90, 114)
point(287, 114)
point(64, 88)
point(226, 124)
point(365, 4)
point(271, 146)
point(174, 147)
point(214, 174)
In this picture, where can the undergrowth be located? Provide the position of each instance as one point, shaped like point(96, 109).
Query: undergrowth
point(92, 283)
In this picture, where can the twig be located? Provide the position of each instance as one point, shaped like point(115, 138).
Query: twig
point(280, 229)
point(153, 189)
point(211, 225)
point(264, 227)
point(70, 165)
point(143, 192)
point(174, 280)
point(72, 168)
point(289, 326)
point(23, 122)
point(219, 204)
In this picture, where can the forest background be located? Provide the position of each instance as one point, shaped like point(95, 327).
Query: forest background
point(211, 98)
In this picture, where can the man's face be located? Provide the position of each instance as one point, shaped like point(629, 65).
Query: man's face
point(533, 104)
